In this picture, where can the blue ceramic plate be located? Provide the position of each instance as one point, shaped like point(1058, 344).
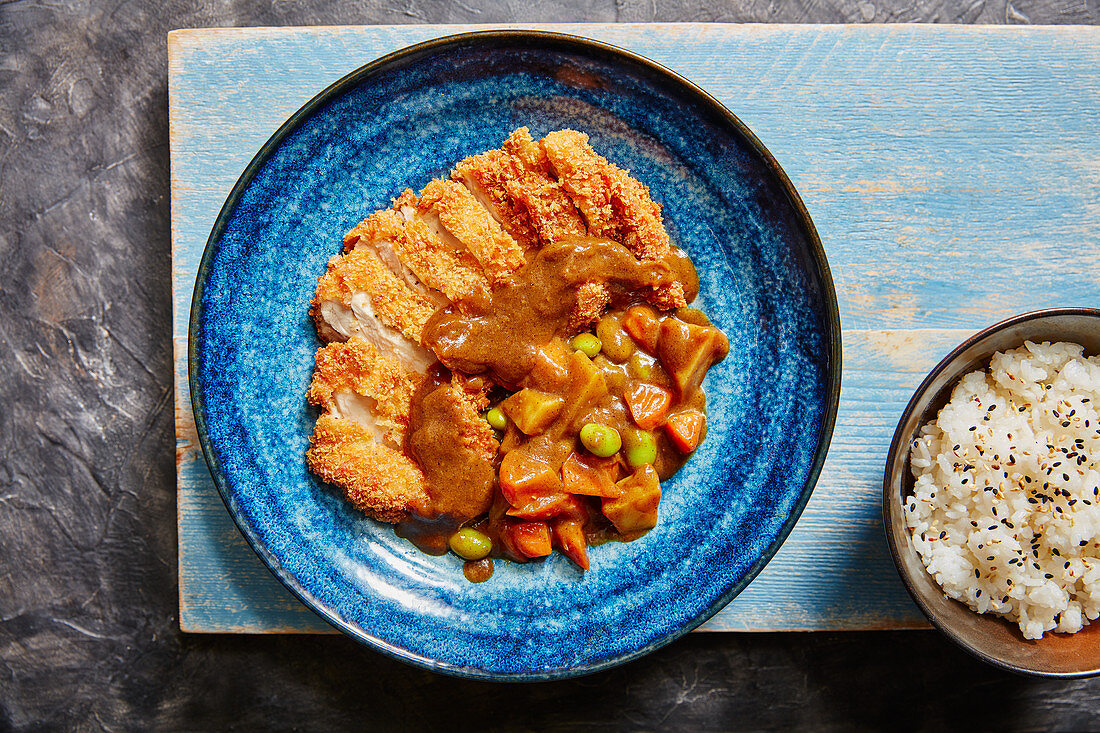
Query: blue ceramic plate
point(397, 123)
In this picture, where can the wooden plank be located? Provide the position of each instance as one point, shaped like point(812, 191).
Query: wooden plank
point(953, 173)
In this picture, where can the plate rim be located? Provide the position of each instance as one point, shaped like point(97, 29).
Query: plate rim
point(833, 365)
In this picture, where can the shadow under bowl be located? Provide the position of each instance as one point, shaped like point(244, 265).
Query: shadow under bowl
point(988, 637)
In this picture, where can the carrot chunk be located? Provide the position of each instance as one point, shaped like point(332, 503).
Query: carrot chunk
point(642, 324)
point(648, 404)
point(589, 475)
point(540, 507)
point(569, 536)
point(685, 429)
point(523, 476)
point(531, 539)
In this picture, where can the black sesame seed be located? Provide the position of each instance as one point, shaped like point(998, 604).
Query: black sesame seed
point(1048, 576)
point(973, 428)
point(978, 594)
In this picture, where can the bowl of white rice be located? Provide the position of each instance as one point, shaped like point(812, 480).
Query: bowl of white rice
point(991, 497)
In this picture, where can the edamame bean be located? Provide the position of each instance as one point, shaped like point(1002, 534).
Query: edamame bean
point(638, 368)
point(496, 418)
point(470, 544)
point(587, 344)
point(617, 344)
point(641, 448)
point(601, 440)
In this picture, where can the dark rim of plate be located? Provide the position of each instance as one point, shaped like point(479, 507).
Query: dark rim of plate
point(515, 38)
point(892, 456)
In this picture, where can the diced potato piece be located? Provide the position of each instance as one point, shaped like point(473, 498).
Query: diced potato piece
point(648, 404)
point(532, 411)
point(586, 389)
point(643, 325)
point(687, 351)
point(685, 429)
point(551, 367)
point(531, 539)
point(635, 511)
point(513, 438)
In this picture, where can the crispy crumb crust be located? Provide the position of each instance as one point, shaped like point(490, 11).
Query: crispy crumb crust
point(385, 224)
point(495, 250)
point(377, 480)
point(357, 366)
point(614, 204)
point(455, 273)
point(361, 270)
point(464, 399)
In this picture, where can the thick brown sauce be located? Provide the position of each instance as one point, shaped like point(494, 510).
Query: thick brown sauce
point(518, 340)
point(535, 306)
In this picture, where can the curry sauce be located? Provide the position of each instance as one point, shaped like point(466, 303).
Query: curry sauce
point(510, 366)
point(641, 389)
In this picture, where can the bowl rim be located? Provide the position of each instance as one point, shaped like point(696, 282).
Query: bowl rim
point(581, 44)
point(889, 507)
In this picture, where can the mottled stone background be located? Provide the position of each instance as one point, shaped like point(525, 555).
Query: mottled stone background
point(88, 632)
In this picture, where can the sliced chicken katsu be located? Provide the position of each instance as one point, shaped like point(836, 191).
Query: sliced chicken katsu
point(357, 444)
point(383, 405)
point(384, 233)
point(515, 185)
point(359, 296)
point(467, 225)
point(436, 258)
point(614, 204)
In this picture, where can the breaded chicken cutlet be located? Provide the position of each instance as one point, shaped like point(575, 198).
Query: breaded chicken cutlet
point(450, 245)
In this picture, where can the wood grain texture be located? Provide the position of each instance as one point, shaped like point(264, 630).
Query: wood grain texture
point(953, 173)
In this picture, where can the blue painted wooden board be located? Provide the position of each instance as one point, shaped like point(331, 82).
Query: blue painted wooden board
point(953, 173)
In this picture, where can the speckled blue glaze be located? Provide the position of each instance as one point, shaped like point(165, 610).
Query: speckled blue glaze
point(764, 280)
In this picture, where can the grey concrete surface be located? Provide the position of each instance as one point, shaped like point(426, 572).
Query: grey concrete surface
point(89, 638)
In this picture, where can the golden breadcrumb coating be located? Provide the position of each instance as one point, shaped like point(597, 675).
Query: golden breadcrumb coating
point(614, 205)
point(357, 367)
point(470, 398)
point(362, 271)
point(377, 480)
point(474, 227)
point(592, 299)
point(485, 175)
point(641, 227)
point(529, 201)
point(383, 225)
point(453, 272)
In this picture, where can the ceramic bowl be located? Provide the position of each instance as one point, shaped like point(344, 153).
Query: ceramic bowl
point(987, 637)
point(397, 123)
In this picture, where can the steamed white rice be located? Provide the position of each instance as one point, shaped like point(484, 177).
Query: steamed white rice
point(1006, 506)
